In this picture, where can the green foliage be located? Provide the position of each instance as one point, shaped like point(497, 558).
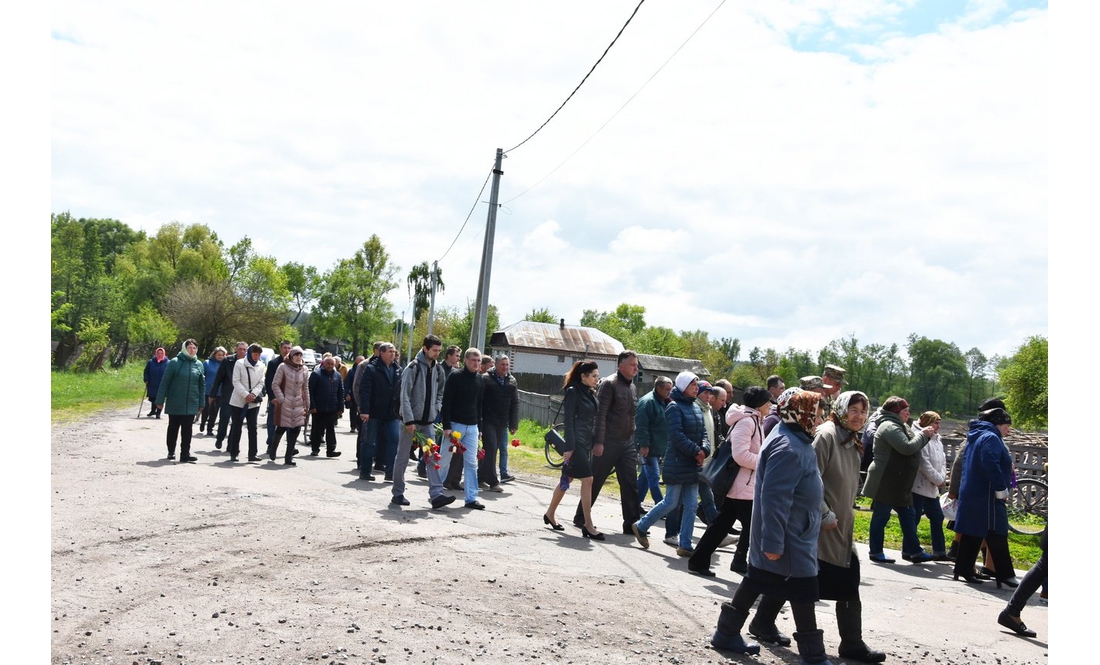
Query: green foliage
point(1024, 379)
point(303, 284)
point(149, 328)
point(419, 283)
point(541, 315)
point(352, 304)
point(73, 395)
point(937, 373)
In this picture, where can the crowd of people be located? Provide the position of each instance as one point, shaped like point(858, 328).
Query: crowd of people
point(794, 458)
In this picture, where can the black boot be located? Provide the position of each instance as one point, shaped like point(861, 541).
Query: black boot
point(740, 562)
point(811, 647)
point(727, 636)
point(953, 551)
point(849, 623)
point(763, 623)
point(332, 452)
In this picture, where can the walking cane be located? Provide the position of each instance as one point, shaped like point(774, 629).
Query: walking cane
point(141, 403)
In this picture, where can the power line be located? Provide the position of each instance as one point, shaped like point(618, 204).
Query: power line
point(616, 113)
point(468, 215)
point(582, 81)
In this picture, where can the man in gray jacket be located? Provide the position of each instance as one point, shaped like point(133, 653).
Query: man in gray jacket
point(421, 391)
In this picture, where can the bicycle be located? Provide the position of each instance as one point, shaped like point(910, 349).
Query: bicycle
point(1027, 507)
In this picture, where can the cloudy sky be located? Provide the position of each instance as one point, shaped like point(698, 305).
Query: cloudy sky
point(785, 172)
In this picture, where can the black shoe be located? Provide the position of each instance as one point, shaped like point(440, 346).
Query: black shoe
point(969, 579)
point(475, 505)
point(739, 566)
point(1011, 583)
point(379, 466)
point(233, 458)
point(188, 459)
point(314, 452)
point(422, 473)
point(333, 453)
point(271, 453)
point(171, 456)
point(880, 558)
point(366, 477)
point(1015, 625)
point(399, 500)
point(388, 478)
point(158, 415)
point(861, 652)
point(507, 478)
point(704, 572)
point(252, 458)
point(442, 500)
point(218, 445)
point(290, 462)
point(588, 534)
point(552, 525)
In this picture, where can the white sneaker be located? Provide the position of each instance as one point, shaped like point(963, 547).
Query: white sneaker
point(672, 541)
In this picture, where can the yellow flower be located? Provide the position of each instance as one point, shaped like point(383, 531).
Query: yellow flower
point(456, 435)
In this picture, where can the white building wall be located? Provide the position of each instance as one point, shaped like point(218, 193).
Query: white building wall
point(524, 362)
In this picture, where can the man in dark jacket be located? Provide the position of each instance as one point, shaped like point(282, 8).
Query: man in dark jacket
point(272, 403)
point(500, 417)
point(613, 445)
point(349, 394)
point(461, 412)
point(651, 437)
point(377, 415)
point(223, 382)
point(326, 403)
point(452, 362)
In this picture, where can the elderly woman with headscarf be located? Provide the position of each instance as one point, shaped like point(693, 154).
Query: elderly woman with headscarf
point(890, 480)
point(291, 388)
point(154, 371)
point(786, 518)
point(981, 511)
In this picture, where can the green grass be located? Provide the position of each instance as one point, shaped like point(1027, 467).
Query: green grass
point(74, 396)
point(1024, 549)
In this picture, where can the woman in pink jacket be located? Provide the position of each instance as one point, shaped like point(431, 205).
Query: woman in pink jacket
point(746, 436)
point(291, 388)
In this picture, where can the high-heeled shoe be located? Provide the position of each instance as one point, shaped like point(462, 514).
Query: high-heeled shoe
point(969, 579)
point(588, 534)
point(1011, 583)
point(552, 525)
point(1015, 625)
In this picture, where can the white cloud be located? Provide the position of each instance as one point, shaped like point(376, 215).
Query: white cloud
point(910, 190)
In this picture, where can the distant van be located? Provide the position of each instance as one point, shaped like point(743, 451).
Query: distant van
point(266, 355)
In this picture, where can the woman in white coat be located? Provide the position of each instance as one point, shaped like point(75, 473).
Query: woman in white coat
point(248, 388)
point(931, 478)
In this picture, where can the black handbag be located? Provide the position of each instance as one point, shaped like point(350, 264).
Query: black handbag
point(552, 436)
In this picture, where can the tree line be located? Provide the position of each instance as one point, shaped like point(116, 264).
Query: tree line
point(118, 293)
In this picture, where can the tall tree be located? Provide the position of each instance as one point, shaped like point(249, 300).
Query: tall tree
point(937, 370)
point(1024, 379)
point(353, 305)
point(304, 285)
point(541, 315)
point(976, 366)
point(419, 283)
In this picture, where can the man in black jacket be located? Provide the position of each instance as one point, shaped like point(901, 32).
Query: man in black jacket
point(500, 417)
point(224, 380)
point(377, 414)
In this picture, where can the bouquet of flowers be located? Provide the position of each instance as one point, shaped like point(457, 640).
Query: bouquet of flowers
point(429, 449)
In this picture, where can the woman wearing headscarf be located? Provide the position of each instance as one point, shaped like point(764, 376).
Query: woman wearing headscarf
point(786, 518)
point(580, 409)
point(981, 511)
point(890, 480)
point(154, 370)
point(838, 447)
point(745, 437)
point(931, 478)
point(180, 393)
point(291, 388)
point(687, 448)
point(248, 388)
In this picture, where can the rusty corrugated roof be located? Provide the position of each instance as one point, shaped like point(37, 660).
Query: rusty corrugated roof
point(574, 340)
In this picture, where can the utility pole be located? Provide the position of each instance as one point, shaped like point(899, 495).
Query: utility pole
point(399, 330)
point(481, 306)
point(411, 327)
point(431, 309)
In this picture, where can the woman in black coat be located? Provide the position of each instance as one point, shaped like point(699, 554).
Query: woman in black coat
point(580, 427)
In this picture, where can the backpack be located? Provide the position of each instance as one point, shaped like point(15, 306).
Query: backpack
point(721, 470)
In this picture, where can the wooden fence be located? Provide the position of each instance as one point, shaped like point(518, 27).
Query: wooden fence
point(537, 407)
point(1029, 460)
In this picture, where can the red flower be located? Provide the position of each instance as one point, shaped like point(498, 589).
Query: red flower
point(436, 466)
point(515, 443)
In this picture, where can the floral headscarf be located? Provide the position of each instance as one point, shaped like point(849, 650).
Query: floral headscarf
point(840, 407)
point(800, 409)
point(785, 397)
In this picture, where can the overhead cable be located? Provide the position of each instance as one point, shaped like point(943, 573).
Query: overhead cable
point(616, 113)
point(476, 199)
point(582, 81)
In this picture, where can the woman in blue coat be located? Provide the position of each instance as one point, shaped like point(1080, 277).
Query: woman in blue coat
point(213, 392)
point(786, 519)
point(687, 448)
point(981, 512)
point(154, 371)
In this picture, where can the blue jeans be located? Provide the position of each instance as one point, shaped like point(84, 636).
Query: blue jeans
point(706, 500)
point(674, 496)
point(880, 515)
point(469, 458)
point(926, 505)
point(649, 479)
point(382, 434)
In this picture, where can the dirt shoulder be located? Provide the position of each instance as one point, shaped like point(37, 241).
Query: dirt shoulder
point(260, 563)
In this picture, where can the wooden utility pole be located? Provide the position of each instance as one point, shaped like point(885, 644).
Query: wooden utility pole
point(481, 306)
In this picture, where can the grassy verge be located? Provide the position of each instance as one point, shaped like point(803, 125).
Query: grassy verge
point(74, 396)
point(529, 459)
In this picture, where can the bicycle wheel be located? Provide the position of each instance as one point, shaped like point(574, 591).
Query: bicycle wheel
point(1027, 507)
point(553, 457)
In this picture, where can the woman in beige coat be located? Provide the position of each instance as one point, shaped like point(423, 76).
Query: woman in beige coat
point(291, 388)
